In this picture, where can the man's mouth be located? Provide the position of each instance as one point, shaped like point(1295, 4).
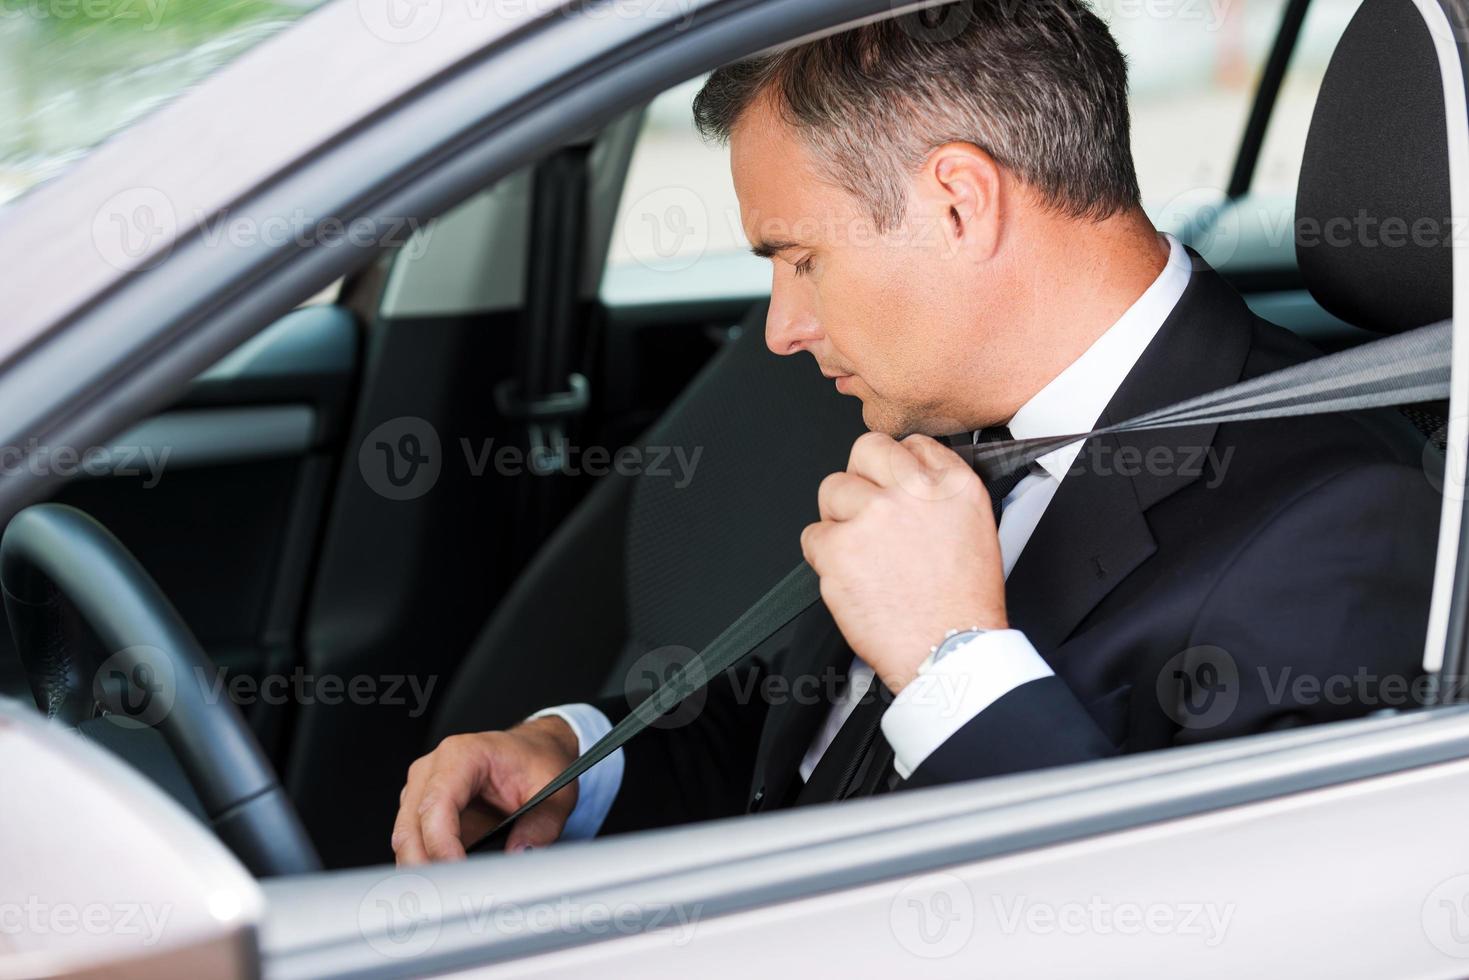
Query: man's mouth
point(843, 381)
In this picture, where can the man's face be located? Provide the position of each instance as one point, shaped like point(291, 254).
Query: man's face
point(895, 319)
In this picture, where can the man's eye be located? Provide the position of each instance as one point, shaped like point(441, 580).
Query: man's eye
point(804, 266)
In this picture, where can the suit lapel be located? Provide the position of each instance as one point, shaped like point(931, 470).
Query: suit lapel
point(1094, 533)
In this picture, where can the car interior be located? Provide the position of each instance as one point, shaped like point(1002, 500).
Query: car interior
point(603, 298)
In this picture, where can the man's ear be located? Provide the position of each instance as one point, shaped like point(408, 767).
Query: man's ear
point(960, 185)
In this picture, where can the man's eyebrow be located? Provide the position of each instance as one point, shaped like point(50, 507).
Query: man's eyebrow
point(764, 249)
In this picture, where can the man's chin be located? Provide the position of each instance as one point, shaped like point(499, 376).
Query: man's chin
point(879, 417)
point(896, 422)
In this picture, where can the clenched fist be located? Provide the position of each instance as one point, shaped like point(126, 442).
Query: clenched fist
point(458, 792)
point(906, 549)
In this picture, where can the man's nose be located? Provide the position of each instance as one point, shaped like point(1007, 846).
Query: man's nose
point(790, 327)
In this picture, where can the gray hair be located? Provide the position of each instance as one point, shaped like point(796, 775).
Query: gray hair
point(1040, 85)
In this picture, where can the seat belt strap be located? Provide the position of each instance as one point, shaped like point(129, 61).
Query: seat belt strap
point(1398, 370)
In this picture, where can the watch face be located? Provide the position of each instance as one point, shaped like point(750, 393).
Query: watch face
point(954, 642)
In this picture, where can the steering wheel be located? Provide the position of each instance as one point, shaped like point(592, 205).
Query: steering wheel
point(60, 570)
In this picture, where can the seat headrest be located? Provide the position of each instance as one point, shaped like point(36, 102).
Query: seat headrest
point(1373, 215)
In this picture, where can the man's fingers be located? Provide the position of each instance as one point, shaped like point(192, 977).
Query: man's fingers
point(813, 539)
point(457, 779)
point(541, 827)
point(406, 840)
point(872, 458)
point(842, 496)
point(933, 471)
point(932, 453)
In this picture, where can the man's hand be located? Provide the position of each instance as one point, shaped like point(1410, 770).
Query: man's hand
point(906, 549)
point(458, 792)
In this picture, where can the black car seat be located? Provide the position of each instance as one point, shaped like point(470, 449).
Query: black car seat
point(1374, 219)
point(646, 565)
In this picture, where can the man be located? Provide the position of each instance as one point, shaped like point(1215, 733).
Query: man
point(957, 240)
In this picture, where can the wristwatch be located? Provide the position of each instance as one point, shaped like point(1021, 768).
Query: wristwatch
point(953, 640)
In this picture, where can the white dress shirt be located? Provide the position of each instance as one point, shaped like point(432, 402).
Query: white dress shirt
point(948, 695)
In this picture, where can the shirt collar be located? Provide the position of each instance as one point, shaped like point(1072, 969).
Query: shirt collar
point(1074, 399)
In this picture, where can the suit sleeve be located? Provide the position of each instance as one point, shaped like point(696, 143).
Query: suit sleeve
point(1320, 616)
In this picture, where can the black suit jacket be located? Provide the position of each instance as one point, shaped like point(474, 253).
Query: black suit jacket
point(1184, 585)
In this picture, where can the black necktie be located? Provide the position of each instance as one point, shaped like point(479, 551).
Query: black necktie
point(859, 761)
point(1001, 487)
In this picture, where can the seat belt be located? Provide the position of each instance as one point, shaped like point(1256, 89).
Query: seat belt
point(1398, 370)
point(545, 394)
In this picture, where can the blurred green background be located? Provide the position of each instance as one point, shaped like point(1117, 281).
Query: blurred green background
point(74, 71)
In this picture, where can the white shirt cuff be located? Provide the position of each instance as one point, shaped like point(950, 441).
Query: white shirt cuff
point(596, 789)
point(946, 696)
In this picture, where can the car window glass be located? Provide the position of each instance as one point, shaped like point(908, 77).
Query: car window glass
point(1285, 138)
point(73, 73)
